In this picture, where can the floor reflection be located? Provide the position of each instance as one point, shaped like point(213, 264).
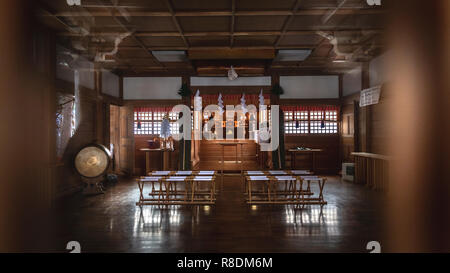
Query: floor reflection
point(155, 220)
point(113, 223)
point(312, 220)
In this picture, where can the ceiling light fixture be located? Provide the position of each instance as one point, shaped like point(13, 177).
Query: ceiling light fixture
point(170, 55)
point(292, 55)
point(339, 61)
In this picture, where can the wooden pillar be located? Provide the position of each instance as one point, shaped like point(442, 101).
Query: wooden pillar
point(356, 134)
point(121, 89)
point(100, 115)
point(275, 99)
point(365, 114)
point(186, 146)
point(419, 208)
point(340, 121)
point(27, 105)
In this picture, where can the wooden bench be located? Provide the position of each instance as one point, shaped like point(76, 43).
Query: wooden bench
point(291, 195)
point(168, 193)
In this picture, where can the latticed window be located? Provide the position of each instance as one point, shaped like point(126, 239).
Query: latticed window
point(147, 120)
point(310, 120)
point(296, 122)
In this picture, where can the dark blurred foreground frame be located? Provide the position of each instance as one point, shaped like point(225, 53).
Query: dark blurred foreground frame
point(419, 209)
point(27, 133)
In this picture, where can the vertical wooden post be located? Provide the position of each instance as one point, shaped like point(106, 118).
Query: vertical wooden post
point(274, 100)
point(99, 110)
point(121, 89)
point(340, 129)
point(356, 134)
point(365, 113)
point(419, 211)
point(185, 145)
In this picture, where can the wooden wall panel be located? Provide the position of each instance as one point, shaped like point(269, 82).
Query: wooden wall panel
point(372, 126)
point(379, 125)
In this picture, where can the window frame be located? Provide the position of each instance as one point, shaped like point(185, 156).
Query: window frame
point(153, 116)
point(313, 120)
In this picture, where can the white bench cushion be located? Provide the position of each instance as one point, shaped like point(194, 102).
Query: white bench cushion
point(151, 178)
point(184, 172)
point(285, 178)
point(277, 172)
point(255, 173)
point(176, 178)
point(203, 178)
point(300, 172)
point(311, 178)
point(259, 178)
point(160, 173)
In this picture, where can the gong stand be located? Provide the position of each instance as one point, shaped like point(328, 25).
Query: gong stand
point(93, 185)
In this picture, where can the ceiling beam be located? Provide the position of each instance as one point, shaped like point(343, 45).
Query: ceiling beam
point(332, 12)
point(125, 62)
point(287, 22)
point(176, 23)
point(309, 11)
point(303, 46)
point(228, 33)
point(231, 53)
point(131, 48)
point(233, 11)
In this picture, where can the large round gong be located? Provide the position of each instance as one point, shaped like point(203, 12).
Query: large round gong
point(92, 161)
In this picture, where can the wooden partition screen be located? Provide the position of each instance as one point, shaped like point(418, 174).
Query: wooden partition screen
point(372, 170)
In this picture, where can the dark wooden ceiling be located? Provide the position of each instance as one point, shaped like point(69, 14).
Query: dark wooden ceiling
point(223, 31)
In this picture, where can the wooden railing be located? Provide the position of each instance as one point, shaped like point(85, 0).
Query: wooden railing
point(372, 170)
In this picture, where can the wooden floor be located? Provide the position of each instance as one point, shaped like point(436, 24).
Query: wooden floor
point(112, 223)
